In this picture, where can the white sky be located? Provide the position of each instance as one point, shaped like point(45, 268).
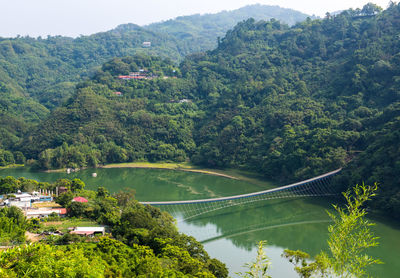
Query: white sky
point(75, 17)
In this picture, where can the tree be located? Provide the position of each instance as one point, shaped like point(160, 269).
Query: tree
point(63, 183)
point(258, 268)
point(125, 197)
point(102, 192)
point(27, 185)
point(12, 225)
point(77, 184)
point(349, 237)
point(19, 157)
point(6, 158)
point(77, 209)
point(65, 198)
point(217, 268)
point(28, 261)
point(371, 9)
point(8, 185)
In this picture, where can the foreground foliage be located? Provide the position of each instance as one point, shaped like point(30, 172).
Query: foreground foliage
point(258, 268)
point(349, 238)
point(106, 258)
point(145, 241)
point(12, 226)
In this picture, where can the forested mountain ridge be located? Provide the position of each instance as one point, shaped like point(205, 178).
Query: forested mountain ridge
point(117, 120)
point(289, 102)
point(200, 32)
point(295, 102)
point(307, 99)
point(38, 75)
point(43, 69)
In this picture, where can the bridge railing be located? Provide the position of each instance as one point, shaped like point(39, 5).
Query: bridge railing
point(282, 188)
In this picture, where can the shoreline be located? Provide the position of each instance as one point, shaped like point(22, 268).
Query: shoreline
point(234, 174)
point(168, 166)
point(62, 170)
point(12, 166)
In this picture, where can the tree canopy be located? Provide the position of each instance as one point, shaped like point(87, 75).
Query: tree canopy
point(288, 102)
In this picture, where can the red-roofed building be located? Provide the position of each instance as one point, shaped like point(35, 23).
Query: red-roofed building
point(80, 200)
point(125, 77)
point(63, 211)
point(45, 212)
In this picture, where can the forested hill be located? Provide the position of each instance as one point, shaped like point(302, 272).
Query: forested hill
point(295, 102)
point(200, 32)
point(289, 102)
point(38, 75)
point(44, 70)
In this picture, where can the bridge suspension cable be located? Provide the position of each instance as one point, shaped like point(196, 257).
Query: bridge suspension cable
point(186, 209)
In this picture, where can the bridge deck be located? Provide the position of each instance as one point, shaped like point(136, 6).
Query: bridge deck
point(245, 195)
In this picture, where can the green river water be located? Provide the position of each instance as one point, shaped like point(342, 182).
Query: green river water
point(231, 235)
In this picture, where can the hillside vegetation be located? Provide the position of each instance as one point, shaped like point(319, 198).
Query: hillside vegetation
point(141, 241)
point(38, 75)
point(289, 102)
point(42, 69)
point(198, 33)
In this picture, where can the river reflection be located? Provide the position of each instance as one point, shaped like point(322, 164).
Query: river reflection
point(300, 224)
point(231, 234)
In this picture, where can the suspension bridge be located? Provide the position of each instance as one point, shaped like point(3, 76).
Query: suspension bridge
point(187, 209)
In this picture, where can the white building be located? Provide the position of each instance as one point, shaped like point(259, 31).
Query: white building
point(44, 213)
point(146, 44)
point(25, 200)
point(88, 231)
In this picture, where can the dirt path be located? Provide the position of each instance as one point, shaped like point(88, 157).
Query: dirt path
point(32, 237)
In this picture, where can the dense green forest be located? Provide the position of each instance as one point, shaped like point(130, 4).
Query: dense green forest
point(38, 75)
point(288, 102)
point(144, 241)
point(44, 69)
point(201, 32)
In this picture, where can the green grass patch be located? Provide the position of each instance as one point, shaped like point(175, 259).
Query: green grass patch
point(186, 166)
point(158, 165)
point(63, 224)
point(12, 166)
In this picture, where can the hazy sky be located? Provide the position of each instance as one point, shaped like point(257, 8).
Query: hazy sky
point(75, 17)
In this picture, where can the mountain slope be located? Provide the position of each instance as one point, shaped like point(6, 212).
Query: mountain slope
point(200, 32)
point(289, 102)
point(38, 75)
point(38, 67)
point(42, 69)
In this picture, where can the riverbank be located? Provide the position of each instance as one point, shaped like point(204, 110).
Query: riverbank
point(56, 170)
point(235, 174)
point(187, 167)
point(11, 166)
